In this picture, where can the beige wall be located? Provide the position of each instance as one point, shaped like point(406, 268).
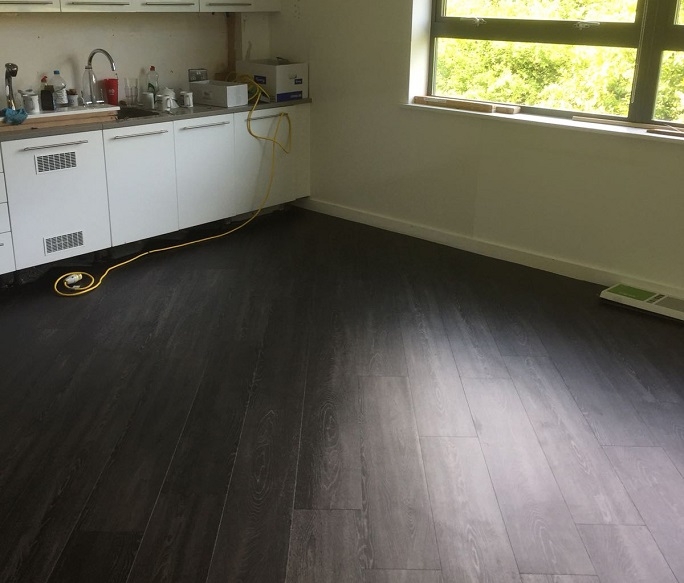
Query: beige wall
point(39, 43)
point(590, 205)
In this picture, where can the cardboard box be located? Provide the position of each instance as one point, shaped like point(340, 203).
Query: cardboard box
point(281, 80)
point(219, 93)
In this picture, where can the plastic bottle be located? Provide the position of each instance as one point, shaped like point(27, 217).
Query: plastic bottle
point(59, 89)
point(153, 81)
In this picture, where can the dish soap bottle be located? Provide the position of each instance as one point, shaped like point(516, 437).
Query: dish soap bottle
point(153, 81)
point(59, 89)
point(47, 97)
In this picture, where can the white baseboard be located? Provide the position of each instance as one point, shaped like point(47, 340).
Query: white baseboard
point(489, 249)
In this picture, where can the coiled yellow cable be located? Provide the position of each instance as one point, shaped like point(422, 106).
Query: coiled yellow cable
point(62, 286)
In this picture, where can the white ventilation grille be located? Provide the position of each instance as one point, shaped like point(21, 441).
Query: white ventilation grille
point(645, 300)
point(62, 242)
point(52, 162)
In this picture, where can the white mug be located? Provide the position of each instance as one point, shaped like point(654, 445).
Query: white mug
point(186, 96)
point(31, 102)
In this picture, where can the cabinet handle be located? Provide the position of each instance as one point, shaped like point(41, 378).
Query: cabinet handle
point(206, 125)
point(169, 3)
point(141, 135)
point(229, 3)
point(26, 2)
point(265, 117)
point(99, 3)
point(31, 148)
point(2, 244)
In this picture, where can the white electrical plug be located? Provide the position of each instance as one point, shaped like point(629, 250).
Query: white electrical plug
point(72, 279)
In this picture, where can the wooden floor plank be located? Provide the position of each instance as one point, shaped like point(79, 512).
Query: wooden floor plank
point(657, 489)
point(603, 390)
point(393, 576)
point(98, 556)
point(395, 498)
point(324, 547)
point(471, 536)
point(591, 488)
point(542, 533)
point(666, 423)
point(559, 579)
point(329, 474)
point(625, 554)
point(252, 542)
point(474, 348)
point(440, 404)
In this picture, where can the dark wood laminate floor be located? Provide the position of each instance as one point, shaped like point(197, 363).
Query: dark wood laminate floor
point(316, 400)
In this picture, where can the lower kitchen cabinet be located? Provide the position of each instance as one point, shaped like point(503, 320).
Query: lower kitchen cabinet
point(57, 195)
point(6, 253)
point(141, 178)
point(205, 169)
point(253, 157)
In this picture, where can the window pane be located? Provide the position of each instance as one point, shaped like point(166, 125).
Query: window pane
point(680, 13)
point(670, 98)
point(566, 77)
point(602, 10)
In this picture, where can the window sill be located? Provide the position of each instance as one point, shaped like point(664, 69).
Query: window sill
point(538, 120)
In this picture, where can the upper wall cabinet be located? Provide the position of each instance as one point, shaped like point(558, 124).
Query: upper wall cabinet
point(29, 6)
point(239, 5)
point(130, 5)
point(98, 5)
point(166, 5)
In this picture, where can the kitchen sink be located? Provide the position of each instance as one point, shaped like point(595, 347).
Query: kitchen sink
point(131, 112)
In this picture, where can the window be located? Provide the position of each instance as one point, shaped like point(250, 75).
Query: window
point(612, 58)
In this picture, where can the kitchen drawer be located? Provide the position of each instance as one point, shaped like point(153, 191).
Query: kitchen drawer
point(6, 253)
point(4, 218)
point(3, 192)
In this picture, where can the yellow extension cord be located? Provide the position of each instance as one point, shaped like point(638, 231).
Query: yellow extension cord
point(87, 283)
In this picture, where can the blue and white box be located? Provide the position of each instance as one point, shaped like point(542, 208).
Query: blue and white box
point(283, 81)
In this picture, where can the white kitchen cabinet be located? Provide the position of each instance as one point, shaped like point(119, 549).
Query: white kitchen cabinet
point(6, 248)
point(57, 195)
point(29, 6)
point(253, 157)
point(6, 253)
point(98, 5)
point(240, 6)
point(141, 178)
point(205, 169)
point(166, 5)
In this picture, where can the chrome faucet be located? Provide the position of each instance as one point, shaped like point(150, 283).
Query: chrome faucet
point(89, 79)
point(10, 71)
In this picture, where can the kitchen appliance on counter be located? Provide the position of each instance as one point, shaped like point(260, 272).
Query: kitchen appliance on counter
point(219, 93)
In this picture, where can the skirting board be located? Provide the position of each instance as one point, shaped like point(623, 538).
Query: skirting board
point(486, 248)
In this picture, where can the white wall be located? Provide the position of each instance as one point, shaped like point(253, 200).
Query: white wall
point(594, 206)
point(40, 43)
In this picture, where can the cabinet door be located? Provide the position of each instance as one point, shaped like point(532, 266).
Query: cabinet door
point(141, 177)
point(6, 253)
point(166, 5)
point(57, 195)
point(253, 157)
point(240, 6)
point(29, 5)
point(97, 6)
point(205, 175)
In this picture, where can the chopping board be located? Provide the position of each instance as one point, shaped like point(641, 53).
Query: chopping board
point(67, 116)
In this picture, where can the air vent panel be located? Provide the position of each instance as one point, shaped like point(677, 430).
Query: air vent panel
point(63, 242)
point(53, 162)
